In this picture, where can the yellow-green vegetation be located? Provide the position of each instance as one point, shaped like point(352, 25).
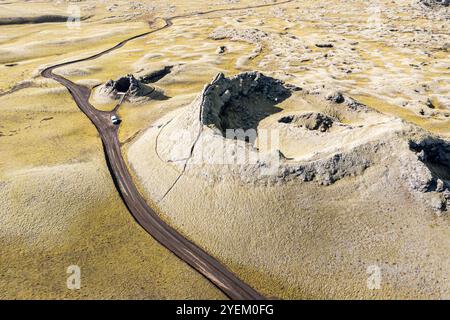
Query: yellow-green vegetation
point(59, 207)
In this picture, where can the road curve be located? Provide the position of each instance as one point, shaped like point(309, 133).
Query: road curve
point(145, 216)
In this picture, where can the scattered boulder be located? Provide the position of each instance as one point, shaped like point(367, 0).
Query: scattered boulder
point(250, 35)
point(156, 75)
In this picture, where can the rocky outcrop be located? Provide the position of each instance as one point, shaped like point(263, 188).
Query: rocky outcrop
point(336, 97)
point(130, 87)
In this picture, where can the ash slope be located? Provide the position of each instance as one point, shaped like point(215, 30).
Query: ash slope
point(351, 188)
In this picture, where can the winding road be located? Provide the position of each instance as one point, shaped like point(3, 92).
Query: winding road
point(145, 216)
